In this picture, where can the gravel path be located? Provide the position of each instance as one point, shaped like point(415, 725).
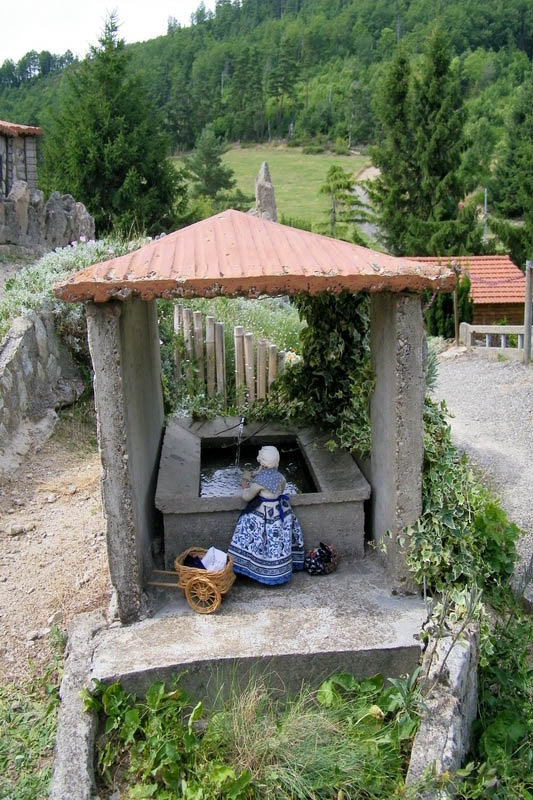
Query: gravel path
point(492, 404)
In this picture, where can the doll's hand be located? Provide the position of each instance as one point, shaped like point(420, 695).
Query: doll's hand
point(245, 483)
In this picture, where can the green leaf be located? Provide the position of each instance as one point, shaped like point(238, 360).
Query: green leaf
point(503, 734)
point(235, 790)
point(155, 694)
point(374, 684)
point(143, 791)
point(195, 714)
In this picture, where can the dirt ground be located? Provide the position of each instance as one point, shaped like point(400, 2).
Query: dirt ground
point(53, 562)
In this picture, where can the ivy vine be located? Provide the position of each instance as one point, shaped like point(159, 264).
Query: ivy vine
point(331, 386)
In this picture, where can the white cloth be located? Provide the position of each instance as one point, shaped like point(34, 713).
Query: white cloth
point(214, 559)
point(268, 457)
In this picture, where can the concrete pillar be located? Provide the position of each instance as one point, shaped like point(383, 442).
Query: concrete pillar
point(397, 343)
point(124, 345)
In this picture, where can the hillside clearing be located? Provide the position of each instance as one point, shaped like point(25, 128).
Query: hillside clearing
point(297, 177)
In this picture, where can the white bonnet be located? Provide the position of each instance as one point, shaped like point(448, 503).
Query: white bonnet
point(268, 457)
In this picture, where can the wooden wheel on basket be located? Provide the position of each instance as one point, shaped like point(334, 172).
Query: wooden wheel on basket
point(202, 595)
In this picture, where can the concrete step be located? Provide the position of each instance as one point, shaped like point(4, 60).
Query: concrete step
point(348, 621)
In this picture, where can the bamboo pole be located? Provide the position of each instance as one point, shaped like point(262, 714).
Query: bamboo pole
point(189, 340)
point(238, 339)
point(199, 344)
point(220, 358)
point(272, 364)
point(528, 312)
point(178, 331)
point(249, 366)
point(210, 354)
point(261, 368)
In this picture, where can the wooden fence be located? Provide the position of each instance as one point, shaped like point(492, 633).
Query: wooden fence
point(256, 364)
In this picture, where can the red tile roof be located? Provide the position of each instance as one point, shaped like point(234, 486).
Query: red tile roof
point(239, 254)
point(12, 129)
point(494, 279)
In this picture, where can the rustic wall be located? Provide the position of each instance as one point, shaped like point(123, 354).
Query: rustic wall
point(37, 375)
point(27, 221)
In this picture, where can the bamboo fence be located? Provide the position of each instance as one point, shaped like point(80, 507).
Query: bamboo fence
point(202, 358)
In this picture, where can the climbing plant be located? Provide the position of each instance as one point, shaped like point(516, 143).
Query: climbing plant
point(331, 385)
point(463, 536)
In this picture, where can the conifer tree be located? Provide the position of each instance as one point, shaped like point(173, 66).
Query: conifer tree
point(418, 197)
point(514, 182)
point(205, 167)
point(391, 192)
point(344, 205)
point(106, 148)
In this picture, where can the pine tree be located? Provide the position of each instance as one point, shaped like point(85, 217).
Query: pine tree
point(418, 196)
point(391, 192)
point(105, 146)
point(513, 177)
point(514, 182)
point(345, 206)
point(205, 167)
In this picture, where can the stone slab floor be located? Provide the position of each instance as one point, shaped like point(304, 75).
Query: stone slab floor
point(307, 629)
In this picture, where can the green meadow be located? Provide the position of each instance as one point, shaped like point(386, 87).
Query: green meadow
point(297, 177)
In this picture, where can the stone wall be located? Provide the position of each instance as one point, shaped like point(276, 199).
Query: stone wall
point(27, 221)
point(444, 737)
point(37, 375)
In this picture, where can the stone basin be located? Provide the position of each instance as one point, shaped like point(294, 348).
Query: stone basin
point(333, 513)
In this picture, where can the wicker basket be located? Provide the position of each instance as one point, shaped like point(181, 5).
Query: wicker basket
point(203, 587)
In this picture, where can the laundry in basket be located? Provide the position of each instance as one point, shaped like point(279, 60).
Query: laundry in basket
point(214, 560)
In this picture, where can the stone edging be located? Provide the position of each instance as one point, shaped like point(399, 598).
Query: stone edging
point(73, 775)
point(440, 745)
point(443, 738)
point(37, 375)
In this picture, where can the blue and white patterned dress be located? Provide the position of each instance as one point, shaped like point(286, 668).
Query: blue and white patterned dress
point(268, 543)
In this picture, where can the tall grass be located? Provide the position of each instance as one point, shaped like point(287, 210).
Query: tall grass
point(320, 744)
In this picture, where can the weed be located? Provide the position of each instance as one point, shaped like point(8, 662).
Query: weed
point(347, 739)
point(501, 762)
point(27, 733)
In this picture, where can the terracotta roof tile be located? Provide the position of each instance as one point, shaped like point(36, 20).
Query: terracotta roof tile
point(12, 129)
point(239, 254)
point(494, 279)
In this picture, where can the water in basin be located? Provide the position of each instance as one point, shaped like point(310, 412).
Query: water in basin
point(220, 477)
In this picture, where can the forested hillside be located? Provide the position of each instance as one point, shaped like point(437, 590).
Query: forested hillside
point(302, 69)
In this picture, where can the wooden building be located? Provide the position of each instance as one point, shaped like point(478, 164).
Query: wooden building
point(18, 155)
point(497, 287)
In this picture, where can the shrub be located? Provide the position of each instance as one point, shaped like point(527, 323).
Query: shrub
point(32, 287)
point(463, 536)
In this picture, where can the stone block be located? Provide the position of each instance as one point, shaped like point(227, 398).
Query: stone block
point(19, 197)
point(6, 381)
point(51, 369)
point(22, 392)
point(41, 338)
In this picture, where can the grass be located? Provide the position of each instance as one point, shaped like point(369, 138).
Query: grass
point(347, 739)
point(27, 732)
point(296, 177)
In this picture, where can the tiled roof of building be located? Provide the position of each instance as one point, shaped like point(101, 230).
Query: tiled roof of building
point(234, 253)
point(494, 279)
point(12, 129)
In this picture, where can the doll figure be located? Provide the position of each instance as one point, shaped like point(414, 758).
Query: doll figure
point(267, 544)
